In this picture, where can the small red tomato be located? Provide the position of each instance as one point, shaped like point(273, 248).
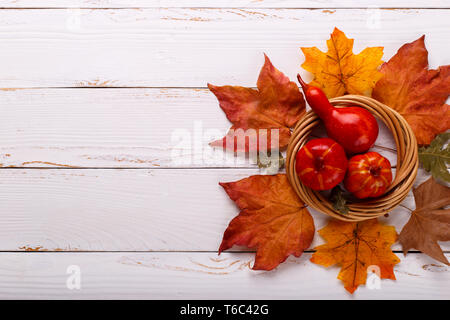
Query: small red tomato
point(321, 164)
point(368, 175)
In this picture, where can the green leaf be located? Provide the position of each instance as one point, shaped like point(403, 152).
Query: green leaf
point(339, 201)
point(264, 161)
point(436, 157)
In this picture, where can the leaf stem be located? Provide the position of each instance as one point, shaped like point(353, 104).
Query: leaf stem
point(410, 210)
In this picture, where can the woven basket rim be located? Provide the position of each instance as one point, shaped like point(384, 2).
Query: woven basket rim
point(406, 165)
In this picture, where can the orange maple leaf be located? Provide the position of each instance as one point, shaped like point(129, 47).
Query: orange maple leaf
point(277, 104)
point(338, 71)
point(355, 247)
point(272, 219)
point(417, 93)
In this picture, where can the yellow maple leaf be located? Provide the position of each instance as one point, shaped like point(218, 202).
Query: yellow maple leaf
point(356, 248)
point(339, 71)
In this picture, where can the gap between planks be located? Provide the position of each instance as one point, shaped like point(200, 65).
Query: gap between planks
point(39, 250)
point(220, 8)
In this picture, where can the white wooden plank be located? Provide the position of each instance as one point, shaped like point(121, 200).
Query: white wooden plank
point(223, 3)
point(125, 210)
point(203, 276)
point(118, 128)
point(186, 47)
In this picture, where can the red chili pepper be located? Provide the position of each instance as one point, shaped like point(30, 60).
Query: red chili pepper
point(317, 99)
point(355, 128)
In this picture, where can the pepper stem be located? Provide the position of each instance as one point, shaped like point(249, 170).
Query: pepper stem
point(303, 83)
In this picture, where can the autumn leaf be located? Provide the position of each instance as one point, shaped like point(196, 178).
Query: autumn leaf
point(355, 247)
point(338, 71)
point(272, 219)
point(277, 104)
point(429, 223)
point(436, 157)
point(417, 93)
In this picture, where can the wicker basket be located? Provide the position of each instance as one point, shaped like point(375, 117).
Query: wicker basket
point(406, 169)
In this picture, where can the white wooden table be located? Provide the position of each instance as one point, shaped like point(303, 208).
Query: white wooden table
point(90, 101)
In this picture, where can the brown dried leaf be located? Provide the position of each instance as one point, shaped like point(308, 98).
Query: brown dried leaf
point(428, 223)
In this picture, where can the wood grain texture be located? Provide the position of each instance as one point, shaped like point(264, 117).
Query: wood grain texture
point(222, 3)
point(188, 47)
point(203, 275)
point(158, 207)
point(126, 210)
point(138, 128)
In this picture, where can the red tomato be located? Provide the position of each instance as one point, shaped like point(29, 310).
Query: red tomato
point(368, 175)
point(321, 164)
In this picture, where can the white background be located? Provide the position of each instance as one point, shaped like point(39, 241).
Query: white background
point(90, 99)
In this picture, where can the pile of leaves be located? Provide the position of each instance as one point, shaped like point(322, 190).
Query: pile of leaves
point(275, 222)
